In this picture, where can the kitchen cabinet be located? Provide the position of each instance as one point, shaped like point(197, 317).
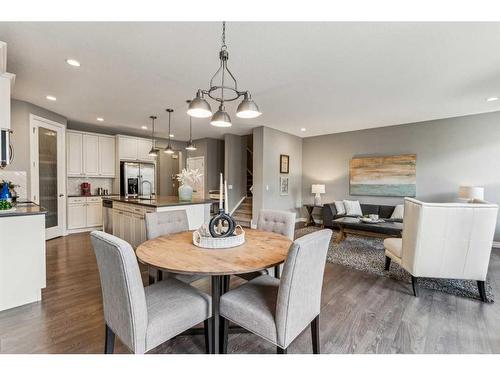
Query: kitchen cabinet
point(84, 212)
point(134, 149)
point(107, 156)
point(90, 155)
point(74, 159)
point(129, 223)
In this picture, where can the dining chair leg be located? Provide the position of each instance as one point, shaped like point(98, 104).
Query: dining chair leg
point(414, 286)
point(224, 335)
point(216, 292)
point(315, 335)
point(109, 341)
point(151, 280)
point(387, 263)
point(482, 290)
point(207, 331)
point(277, 271)
point(281, 350)
point(159, 275)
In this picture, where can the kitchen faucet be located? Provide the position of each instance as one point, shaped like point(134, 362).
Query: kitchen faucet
point(150, 188)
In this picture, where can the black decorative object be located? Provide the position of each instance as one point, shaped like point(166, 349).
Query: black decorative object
point(221, 225)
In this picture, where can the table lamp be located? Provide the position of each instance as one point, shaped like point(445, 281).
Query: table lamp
point(317, 189)
point(471, 192)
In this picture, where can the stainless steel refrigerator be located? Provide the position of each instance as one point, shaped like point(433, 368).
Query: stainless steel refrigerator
point(137, 179)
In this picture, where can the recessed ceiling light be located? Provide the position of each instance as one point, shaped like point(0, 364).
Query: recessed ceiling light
point(303, 129)
point(492, 99)
point(144, 127)
point(171, 135)
point(73, 62)
point(100, 119)
point(50, 97)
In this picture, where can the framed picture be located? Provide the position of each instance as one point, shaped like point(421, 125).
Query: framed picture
point(283, 185)
point(284, 163)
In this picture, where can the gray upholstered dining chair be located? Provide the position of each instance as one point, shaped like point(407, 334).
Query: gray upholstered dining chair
point(143, 318)
point(162, 224)
point(278, 310)
point(281, 222)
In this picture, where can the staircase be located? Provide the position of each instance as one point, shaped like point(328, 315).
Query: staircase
point(243, 215)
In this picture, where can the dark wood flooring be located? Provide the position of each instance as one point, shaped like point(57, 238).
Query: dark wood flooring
point(361, 313)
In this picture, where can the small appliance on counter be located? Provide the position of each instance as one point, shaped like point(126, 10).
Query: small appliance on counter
point(100, 191)
point(85, 188)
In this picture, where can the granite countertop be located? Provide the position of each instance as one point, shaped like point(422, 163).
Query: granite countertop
point(159, 201)
point(92, 195)
point(23, 209)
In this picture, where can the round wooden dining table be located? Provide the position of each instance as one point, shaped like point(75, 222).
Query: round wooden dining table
point(176, 253)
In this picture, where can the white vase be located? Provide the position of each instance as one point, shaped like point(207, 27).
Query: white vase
point(185, 193)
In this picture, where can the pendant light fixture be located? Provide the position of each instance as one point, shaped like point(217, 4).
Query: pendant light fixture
point(199, 107)
point(169, 149)
point(154, 151)
point(190, 146)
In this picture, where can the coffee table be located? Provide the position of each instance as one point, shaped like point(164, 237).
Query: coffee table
point(354, 225)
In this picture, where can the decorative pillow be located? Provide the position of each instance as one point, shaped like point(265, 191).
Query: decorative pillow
point(352, 208)
point(398, 212)
point(339, 206)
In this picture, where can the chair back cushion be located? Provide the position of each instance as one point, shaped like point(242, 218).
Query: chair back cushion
point(125, 309)
point(164, 223)
point(280, 222)
point(448, 240)
point(299, 295)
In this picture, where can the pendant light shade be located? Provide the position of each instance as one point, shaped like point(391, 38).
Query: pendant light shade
point(248, 108)
point(190, 146)
point(169, 149)
point(154, 151)
point(199, 107)
point(221, 119)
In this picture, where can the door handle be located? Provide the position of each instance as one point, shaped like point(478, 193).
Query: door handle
point(61, 195)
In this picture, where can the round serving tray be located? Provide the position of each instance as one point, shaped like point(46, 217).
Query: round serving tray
point(220, 242)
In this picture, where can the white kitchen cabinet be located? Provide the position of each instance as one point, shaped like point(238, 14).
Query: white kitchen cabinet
point(77, 216)
point(106, 156)
point(84, 212)
point(143, 148)
point(91, 155)
point(134, 149)
point(74, 154)
point(127, 148)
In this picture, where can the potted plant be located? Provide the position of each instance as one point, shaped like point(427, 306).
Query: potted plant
point(7, 191)
point(188, 178)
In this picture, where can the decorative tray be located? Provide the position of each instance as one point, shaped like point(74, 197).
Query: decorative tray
point(219, 242)
point(370, 221)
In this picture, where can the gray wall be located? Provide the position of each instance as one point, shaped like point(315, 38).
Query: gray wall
point(268, 144)
point(235, 167)
point(450, 152)
point(20, 125)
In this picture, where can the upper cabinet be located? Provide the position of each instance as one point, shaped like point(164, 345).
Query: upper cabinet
point(135, 149)
point(90, 155)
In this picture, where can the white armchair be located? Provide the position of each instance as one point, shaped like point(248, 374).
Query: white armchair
point(445, 240)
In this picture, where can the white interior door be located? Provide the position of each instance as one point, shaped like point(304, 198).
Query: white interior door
point(198, 162)
point(48, 172)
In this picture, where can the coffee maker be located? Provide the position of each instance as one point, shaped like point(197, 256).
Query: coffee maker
point(85, 188)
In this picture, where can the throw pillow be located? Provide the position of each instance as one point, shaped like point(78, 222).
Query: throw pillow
point(339, 206)
point(352, 208)
point(398, 212)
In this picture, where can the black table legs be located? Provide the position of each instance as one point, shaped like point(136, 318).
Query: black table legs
point(216, 293)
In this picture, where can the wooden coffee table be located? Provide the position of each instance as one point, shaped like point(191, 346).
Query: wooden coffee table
point(353, 225)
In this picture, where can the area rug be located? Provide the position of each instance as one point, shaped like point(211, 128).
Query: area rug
point(367, 254)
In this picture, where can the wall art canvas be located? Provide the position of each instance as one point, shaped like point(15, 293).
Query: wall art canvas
point(284, 163)
point(389, 176)
point(283, 185)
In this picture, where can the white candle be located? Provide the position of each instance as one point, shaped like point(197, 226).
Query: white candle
point(226, 204)
point(220, 192)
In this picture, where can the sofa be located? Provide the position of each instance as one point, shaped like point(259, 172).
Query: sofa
point(383, 211)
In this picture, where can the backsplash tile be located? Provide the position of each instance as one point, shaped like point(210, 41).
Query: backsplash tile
point(17, 178)
point(74, 183)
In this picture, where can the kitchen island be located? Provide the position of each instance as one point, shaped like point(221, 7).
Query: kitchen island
point(22, 255)
point(127, 214)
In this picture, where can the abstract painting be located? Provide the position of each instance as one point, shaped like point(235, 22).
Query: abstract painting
point(389, 176)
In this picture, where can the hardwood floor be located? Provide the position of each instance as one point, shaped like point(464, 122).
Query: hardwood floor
point(361, 313)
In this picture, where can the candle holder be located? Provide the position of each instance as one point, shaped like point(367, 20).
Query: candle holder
point(221, 225)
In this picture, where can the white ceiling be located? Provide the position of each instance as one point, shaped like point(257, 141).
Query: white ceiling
point(326, 77)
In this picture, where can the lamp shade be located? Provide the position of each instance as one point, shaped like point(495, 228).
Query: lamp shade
point(199, 107)
point(318, 189)
point(471, 192)
point(221, 119)
point(248, 109)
